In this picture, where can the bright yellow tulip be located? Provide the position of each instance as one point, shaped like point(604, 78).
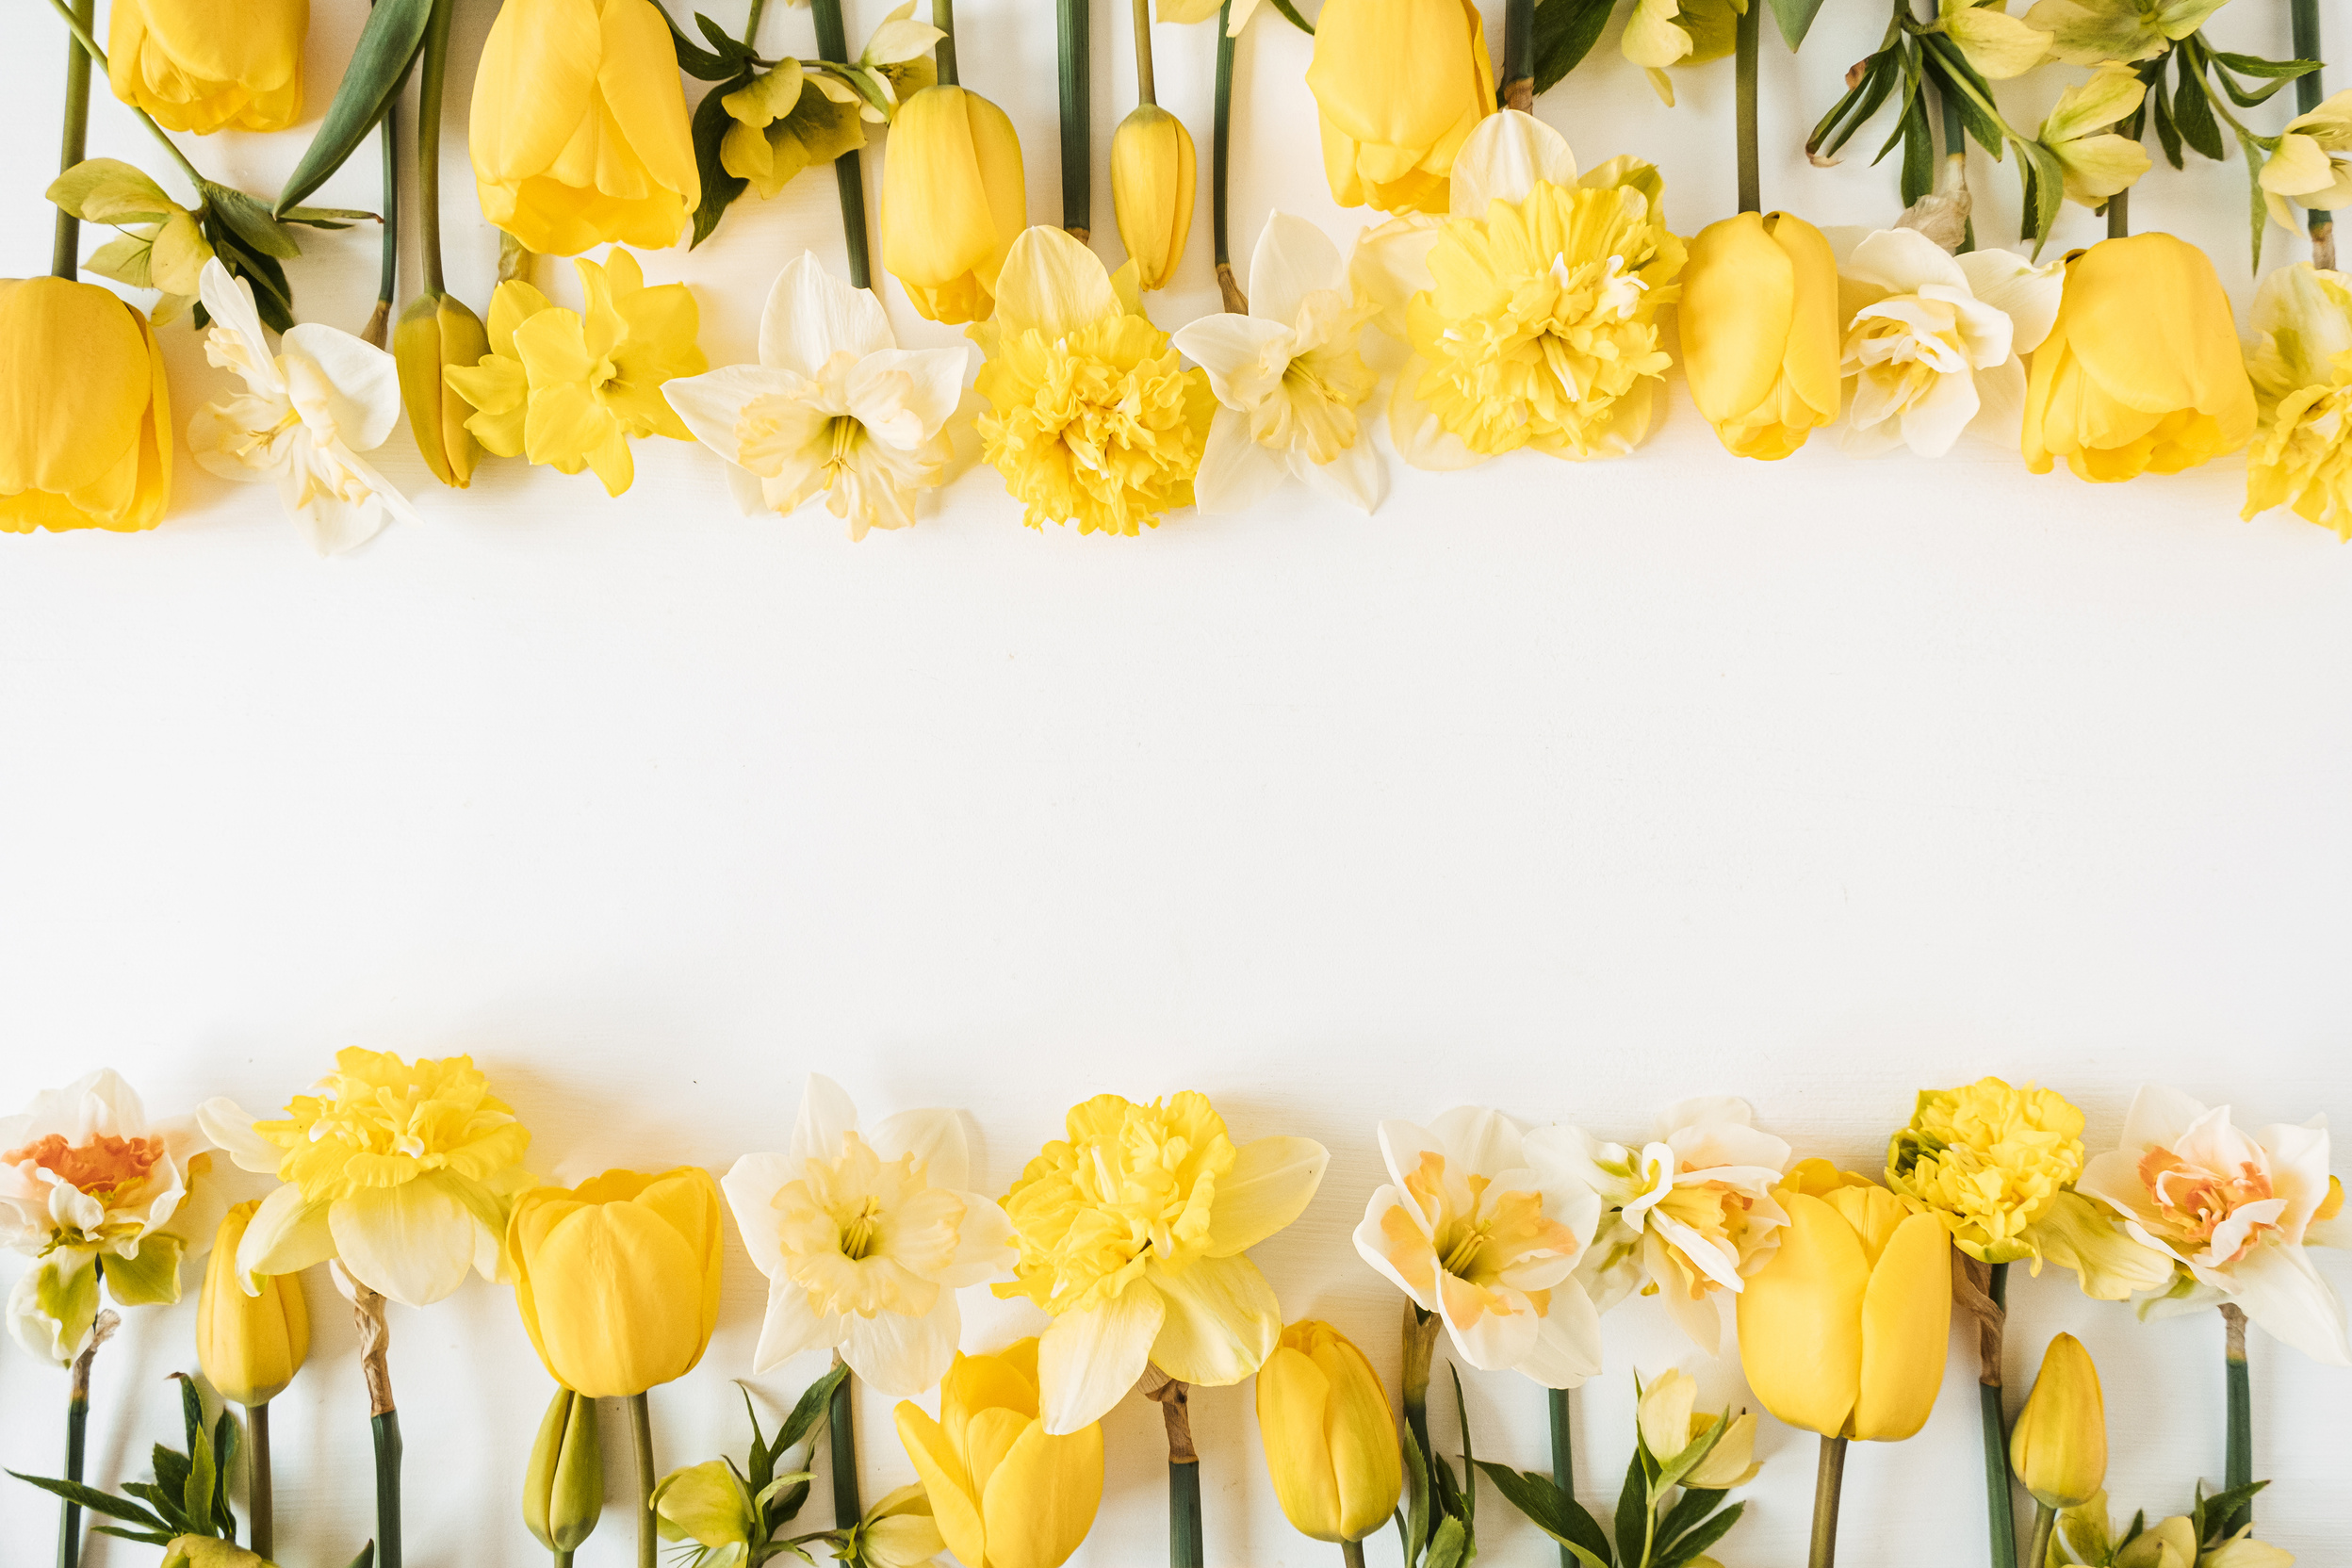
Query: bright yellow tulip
point(617, 1279)
point(1152, 187)
point(85, 416)
point(436, 331)
point(2142, 369)
point(249, 1344)
point(1760, 331)
point(1843, 1331)
point(1331, 1439)
point(2059, 1446)
point(953, 201)
point(208, 65)
point(578, 129)
point(1400, 85)
point(1003, 1493)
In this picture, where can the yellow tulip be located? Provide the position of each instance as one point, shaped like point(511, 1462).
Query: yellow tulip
point(953, 201)
point(1331, 1439)
point(249, 1343)
point(579, 128)
point(2142, 368)
point(436, 331)
point(1151, 187)
point(1760, 331)
point(1400, 85)
point(618, 1278)
point(1843, 1331)
point(2059, 1446)
point(1003, 1493)
point(85, 416)
point(208, 65)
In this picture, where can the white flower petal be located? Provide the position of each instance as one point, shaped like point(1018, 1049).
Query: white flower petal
point(1902, 260)
point(1504, 159)
point(349, 383)
point(1421, 441)
point(1933, 420)
point(1494, 1340)
point(1390, 264)
point(933, 386)
point(934, 1138)
point(2159, 1115)
point(1292, 259)
point(1088, 1361)
point(811, 316)
point(1247, 348)
point(827, 1115)
point(1356, 475)
point(712, 403)
point(1402, 1144)
point(229, 301)
point(2277, 1287)
point(1272, 1182)
point(286, 1235)
point(1235, 472)
point(1479, 1139)
point(1567, 1349)
point(904, 1356)
point(1222, 1320)
point(2025, 293)
point(984, 1243)
point(231, 1131)
point(751, 1185)
point(413, 1243)
point(2000, 402)
point(791, 1326)
point(1052, 285)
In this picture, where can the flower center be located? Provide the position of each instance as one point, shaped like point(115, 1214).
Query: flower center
point(102, 1168)
point(2194, 1203)
point(858, 1228)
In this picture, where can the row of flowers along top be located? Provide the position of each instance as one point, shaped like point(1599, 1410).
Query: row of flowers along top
point(1131, 1236)
point(1532, 295)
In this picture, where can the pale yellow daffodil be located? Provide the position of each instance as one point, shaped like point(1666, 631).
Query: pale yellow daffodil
point(1989, 1158)
point(2098, 163)
point(2300, 358)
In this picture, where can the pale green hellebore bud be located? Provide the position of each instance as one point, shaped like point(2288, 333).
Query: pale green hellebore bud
point(563, 1489)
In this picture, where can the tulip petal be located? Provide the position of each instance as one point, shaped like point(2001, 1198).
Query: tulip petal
point(1800, 1319)
point(2277, 1287)
point(953, 1506)
point(286, 1235)
point(413, 1243)
point(1293, 1395)
point(1088, 1361)
point(1906, 1321)
point(1270, 1185)
point(811, 316)
point(826, 1116)
point(902, 1354)
point(1043, 1496)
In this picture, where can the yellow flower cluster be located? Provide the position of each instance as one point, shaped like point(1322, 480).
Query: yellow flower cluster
point(1988, 1160)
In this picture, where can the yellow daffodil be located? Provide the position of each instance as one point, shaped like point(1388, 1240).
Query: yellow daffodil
point(1091, 417)
point(2141, 370)
point(1399, 86)
point(1670, 1422)
point(1662, 33)
point(617, 1279)
point(1287, 377)
point(1130, 1235)
point(570, 388)
point(85, 415)
point(1477, 1230)
point(97, 1193)
point(207, 65)
point(865, 1239)
point(1152, 189)
point(400, 1172)
point(2300, 359)
point(578, 130)
point(1760, 331)
point(953, 201)
point(1844, 1331)
point(2092, 32)
point(2059, 1445)
point(785, 120)
point(2312, 167)
point(1330, 1437)
point(1988, 1160)
point(249, 1341)
point(2098, 163)
point(436, 333)
point(1998, 45)
point(1005, 1491)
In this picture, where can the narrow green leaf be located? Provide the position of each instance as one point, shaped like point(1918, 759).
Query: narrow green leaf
point(1687, 1510)
point(726, 48)
point(170, 1467)
point(366, 1558)
point(1419, 1494)
point(2193, 114)
point(693, 57)
point(93, 1499)
point(1903, 117)
point(1699, 1539)
point(2251, 65)
point(809, 1413)
point(251, 223)
point(1919, 153)
point(1563, 1518)
point(196, 1502)
point(1469, 1459)
point(2167, 133)
point(1795, 18)
point(224, 1432)
point(2045, 191)
point(380, 63)
point(164, 1502)
point(2261, 212)
point(151, 1538)
point(719, 187)
point(1565, 31)
point(1633, 1512)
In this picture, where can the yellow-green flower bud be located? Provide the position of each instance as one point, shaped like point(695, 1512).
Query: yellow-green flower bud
point(205, 1551)
point(707, 1504)
point(563, 1489)
point(436, 331)
point(2059, 1446)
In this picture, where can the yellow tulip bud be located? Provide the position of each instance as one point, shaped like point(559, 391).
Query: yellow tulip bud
point(1003, 1493)
point(2142, 368)
point(708, 1504)
point(1151, 187)
point(1843, 1331)
point(250, 1344)
point(617, 1279)
point(1400, 85)
point(1331, 1439)
point(1760, 331)
point(435, 331)
point(206, 65)
point(578, 129)
point(85, 416)
point(2059, 1446)
point(564, 1489)
point(953, 201)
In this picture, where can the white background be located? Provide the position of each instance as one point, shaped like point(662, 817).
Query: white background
point(1575, 791)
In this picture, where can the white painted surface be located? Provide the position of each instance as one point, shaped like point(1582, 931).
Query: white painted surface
point(1571, 790)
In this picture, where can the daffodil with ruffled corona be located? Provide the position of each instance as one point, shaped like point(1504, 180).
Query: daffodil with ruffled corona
point(1092, 418)
point(401, 1172)
point(1691, 1214)
point(2300, 355)
point(1989, 1160)
point(1129, 1232)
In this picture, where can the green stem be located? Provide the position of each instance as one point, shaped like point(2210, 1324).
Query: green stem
point(562, 1560)
point(751, 24)
point(2322, 225)
point(2238, 1452)
point(841, 1431)
point(1563, 1460)
point(386, 1430)
point(1518, 88)
point(65, 252)
point(389, 270)
point(2120, 215)
point(2045, 1525)
point(98, 56)
point(942, 52)
point(1351, 1553)
point(1144, 88)
point(431, 82)
point(1748, 40)
point(641, 1427)
point(77, 1447)
point(2000, 1508)
point(259, 1497)
point(1290, 14)
point(1827, 1480)
point(1420, 1346)
point(1184, 1513)
point(848, 177)
point(1077, 54)
point(1220, 150)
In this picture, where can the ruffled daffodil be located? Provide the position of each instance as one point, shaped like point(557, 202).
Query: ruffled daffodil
point(1990, 1160)
point(834, 407)
point(1005, 1491)
point(865, 1239)
point(1130, 1233)
point(2300, 359)
point(1399, 85)
point(84, 412)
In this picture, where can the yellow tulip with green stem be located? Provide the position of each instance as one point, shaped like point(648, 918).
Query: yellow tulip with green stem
point(1330, 1437)
point(1006, 1493)
point(252, 1334)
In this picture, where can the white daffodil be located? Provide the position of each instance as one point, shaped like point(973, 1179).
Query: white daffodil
point(1288, 379)
point(1471, 1231)
point(303, 419)
point(2231, 1208)
point(97, 1192)
point(1932, 341)
point(865, 1239)
point(1692, 1209)
point(834, 406)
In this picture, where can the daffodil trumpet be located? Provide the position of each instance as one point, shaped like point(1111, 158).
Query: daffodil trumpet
point(848, 174)
point(2320, 225)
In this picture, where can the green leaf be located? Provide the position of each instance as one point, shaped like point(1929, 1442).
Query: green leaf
point(1919, 152)
point(815, 1401)
point(107, 190)
point(224, 1460)
point(2250, 65)
point(1413, 1525)
point(1469, 1459)
point(1851, 112)
point(719, 187)
point(1565, 31)
point(1694, 1452)
point(1689, 1510)
point(196, 1500)
point(1795, 18)
point(273, 299)
point(1558, 1515)
point(2193, 113)
point(2045, 191)
point(327, 217)
point(251, 221)
point(692, 59)
point(93, 1499)
point(1700, 1538)
point(2254, 161)
point(728, 48)
point(1450, 1546)
point(166, 1502)
point(192, 1422)
point(1290, 14)
point(170, 1467)
point(380, 63)
point(1902, 116)
point(2167, 133)
point(1633, 1512)
point(152, 1538)
point(366, 1558)
point(2213, 1511)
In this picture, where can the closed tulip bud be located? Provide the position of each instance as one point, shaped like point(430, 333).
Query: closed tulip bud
point(1399, 85)
point(1760, 331)
point(248, 1342)
point(564, 1489)
point(2059, 1446)
point(1843, 1331)
point(617, 1279)
point(1151, 187)
point(85, 416)
point(710, 1505)
point(579, 128)
point(1330, 1440)
point(1004, 1493)
point(953, 201)
point(435, 331)
point(208, 65)
point(2142, 368)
